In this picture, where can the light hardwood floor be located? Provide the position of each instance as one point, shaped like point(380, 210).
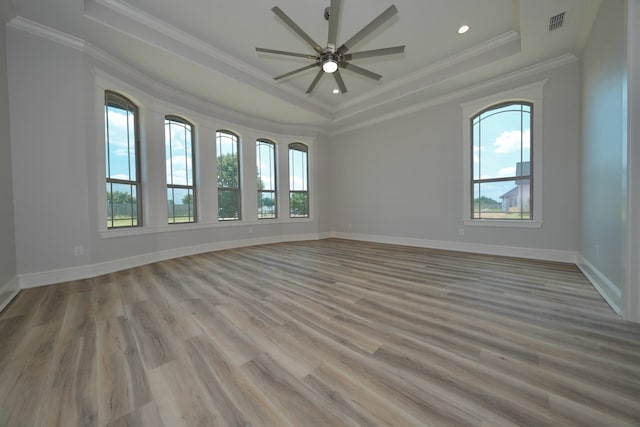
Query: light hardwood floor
point(321, 333)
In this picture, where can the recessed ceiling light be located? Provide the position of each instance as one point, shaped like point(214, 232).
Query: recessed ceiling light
point(336, 91)
point(463, 29)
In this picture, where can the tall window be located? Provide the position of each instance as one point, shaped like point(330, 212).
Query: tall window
point(502, 172)
point(227, 146)
point(179, 142)
point(298, 180)
point(266, 165)
point(122, 149)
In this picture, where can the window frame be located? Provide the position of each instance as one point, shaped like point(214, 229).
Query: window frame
point(274, 168)
point(238, 189)
point(116, 99)
point(530, 94)
point(479, 181)
point(193, 217)
point(290, 147)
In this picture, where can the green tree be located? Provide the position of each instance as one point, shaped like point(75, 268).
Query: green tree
point(228, 176)
point(187, 199)
point(485, 202)
point(228, 204)
point(228, 179)
point(268, 202)
point(260, 182)
point(299, 204)
point(120, 197)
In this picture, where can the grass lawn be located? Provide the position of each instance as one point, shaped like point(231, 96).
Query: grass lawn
point(503, 215)
point(126, 222)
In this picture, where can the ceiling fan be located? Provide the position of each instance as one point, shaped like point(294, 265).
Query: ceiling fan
point(331, 59)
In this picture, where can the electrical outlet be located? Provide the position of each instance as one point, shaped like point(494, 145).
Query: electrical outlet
point(349, 226)
point(78, 250)
point(597, 249)
point(250, 230)
point(460, 231)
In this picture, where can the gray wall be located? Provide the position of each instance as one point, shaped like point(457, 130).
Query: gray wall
point(323, 187)
point(56, 143)
point(603, 161)
point(7, 235)
point(403, 177)
point(49, 159)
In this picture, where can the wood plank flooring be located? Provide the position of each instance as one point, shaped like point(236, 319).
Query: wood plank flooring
point(321, 333)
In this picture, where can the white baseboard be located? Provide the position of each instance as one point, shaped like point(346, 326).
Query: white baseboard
point(325, 235)
point(32, 280)
point(511, 251)
point(611, 293)
point(8, 291)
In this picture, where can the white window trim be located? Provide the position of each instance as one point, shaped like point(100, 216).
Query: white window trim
point(153, 179)
point(530, 93)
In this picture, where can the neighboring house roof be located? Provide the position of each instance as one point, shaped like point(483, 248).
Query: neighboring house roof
point(522, 169)
point(511, 193)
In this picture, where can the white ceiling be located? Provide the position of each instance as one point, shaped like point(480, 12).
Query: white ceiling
point(206, 48)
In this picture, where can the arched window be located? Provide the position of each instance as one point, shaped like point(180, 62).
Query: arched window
point(502, 166)
point(267, 186)
point(122, 148)
point(179, 156)
point(228, 161)
point(298, 180)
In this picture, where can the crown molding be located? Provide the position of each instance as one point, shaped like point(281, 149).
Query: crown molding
point(176, 34)
point(135, 23)
point(438, 74)
point(458, 94)
point(144, 83)
point(501, 41)
point(166, 93)
point(432, 74)
point(48, 33)
point(123, 17)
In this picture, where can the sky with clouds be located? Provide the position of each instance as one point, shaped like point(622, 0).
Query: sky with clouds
point(501, 141)
point(121, 145)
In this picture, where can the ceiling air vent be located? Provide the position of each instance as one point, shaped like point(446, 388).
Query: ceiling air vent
point(556, 21)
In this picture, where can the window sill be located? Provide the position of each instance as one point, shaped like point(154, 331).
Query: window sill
point(168, 228)
point(512, 223)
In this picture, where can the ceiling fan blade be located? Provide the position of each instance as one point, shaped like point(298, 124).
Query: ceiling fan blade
point(334, 12)
point(374, 52)
point(290, 73)
point(362, 71)
point(340, 82)
point(370, 27)
point(296, 29)
point(282, 52)
point(315, 81)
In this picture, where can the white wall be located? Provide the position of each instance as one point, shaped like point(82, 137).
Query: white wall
point(402, 178)
point(603, 161)
point(8, 267)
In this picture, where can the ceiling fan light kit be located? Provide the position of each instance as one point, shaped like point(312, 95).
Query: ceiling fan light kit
point(329, 59)
point(330, 65)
